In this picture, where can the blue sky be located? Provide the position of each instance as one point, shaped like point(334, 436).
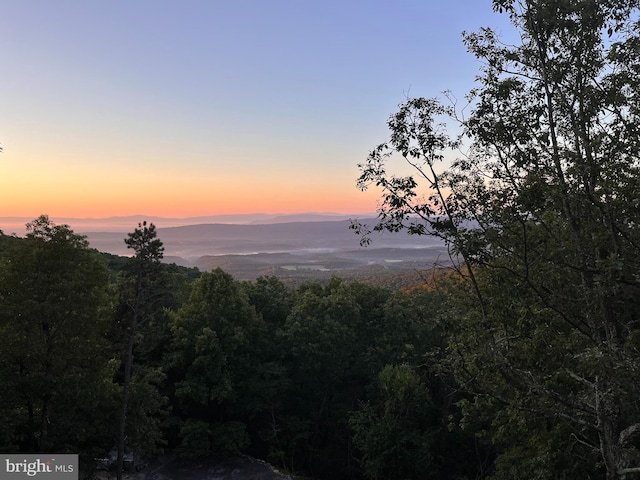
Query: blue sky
point(184, 108)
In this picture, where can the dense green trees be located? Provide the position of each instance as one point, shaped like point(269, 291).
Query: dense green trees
point(253, 366)
point(542, 215)
point(211, 365)
point(54, 315)
point(396, 430)
point(312, 379)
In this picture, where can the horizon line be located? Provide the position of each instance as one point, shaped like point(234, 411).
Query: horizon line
point(189, 217)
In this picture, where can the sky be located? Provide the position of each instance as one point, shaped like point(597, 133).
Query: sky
point(204, 107)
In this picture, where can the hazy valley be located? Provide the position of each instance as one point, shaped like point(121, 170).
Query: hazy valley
point(292, 247)
point(303, 249)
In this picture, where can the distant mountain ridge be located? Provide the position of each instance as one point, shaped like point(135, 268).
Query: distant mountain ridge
point(193, 241)
point(127, 223)
point(296, 247)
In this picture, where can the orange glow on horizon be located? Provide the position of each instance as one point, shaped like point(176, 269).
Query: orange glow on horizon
point(79, 198)
point(68, 186)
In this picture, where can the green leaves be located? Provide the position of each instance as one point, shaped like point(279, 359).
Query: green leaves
point(52, 327)
point(211, 361)
point(144, 242)
point(540, 214)
point(422, 144)
point(396, 431)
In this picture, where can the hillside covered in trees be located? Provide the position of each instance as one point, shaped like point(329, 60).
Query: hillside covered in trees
point(341, 380)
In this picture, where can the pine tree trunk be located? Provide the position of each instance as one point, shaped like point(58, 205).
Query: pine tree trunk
point(128, 363)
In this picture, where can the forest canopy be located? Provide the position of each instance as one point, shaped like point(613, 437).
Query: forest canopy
point(205, 365)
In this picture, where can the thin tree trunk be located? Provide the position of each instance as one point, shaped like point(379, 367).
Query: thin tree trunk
point(44, 424)
point(128, 363)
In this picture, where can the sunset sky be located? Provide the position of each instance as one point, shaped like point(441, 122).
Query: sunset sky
point(205, 107)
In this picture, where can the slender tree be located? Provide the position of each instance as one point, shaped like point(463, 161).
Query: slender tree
point(141, 294)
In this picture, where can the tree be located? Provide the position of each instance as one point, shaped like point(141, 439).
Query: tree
point(327, 344)
point(397, 431)
point(142, 291)
point(53, 321)
point(213, 367)
point(542, 217)
point(269, 384)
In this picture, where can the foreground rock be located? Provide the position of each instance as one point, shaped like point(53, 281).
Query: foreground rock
point(233, 468)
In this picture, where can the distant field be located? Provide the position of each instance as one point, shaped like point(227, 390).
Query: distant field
point(369, 264)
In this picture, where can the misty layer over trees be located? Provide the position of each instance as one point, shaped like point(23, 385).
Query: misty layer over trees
point(521, 361)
